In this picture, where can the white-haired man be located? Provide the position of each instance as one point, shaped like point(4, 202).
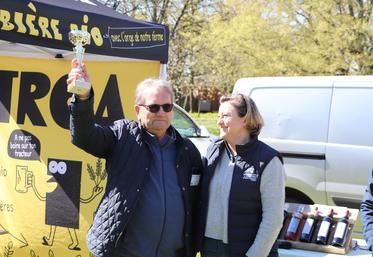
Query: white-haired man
point(150, 201)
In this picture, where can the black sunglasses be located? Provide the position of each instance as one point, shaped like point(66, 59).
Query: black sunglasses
point(154, 108)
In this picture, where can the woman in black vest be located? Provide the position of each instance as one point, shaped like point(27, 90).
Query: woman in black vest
point(243, 187)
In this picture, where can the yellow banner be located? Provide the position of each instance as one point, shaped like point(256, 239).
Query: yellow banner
point(49, 189)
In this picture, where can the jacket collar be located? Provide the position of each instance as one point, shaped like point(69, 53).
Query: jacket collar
point(248, 147)
point(240, 149)
point(168, 138)
point(171, 131)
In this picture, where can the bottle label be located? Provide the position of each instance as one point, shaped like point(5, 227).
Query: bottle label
point(293, 225)
point(341, 228)
point(307, 226)
point(324, 228)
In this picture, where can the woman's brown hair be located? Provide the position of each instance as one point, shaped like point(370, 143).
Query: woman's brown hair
point(246, 107)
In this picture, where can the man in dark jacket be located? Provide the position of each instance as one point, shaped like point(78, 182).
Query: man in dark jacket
point(366, 209)
point(149, 206)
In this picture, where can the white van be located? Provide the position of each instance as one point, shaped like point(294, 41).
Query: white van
point(323, 126)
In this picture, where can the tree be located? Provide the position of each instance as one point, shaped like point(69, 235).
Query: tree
point(286, 37)
point(185, 19)
point(337, 33)
point(215, 42)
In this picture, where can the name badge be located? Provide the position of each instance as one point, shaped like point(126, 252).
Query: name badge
point(251, 177)
point(194, 181)
point(250, 174)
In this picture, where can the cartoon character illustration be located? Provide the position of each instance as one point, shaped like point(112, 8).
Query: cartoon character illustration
point(63, 203)
point(65, 197)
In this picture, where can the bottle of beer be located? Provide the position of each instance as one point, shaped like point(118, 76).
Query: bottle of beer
point(340, 231)
point(322, 235)
point(309, 226)
point(293, 229)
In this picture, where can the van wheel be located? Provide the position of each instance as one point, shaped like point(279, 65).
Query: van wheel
point(295, 196)
point(292, 199)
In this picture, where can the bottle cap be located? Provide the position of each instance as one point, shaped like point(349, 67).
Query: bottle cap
point(300, 208)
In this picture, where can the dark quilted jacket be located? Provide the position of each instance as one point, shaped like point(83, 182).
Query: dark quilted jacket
point(366, 209)
point(128, 159)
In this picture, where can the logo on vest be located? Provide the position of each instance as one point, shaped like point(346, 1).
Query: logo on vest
point(250, 174)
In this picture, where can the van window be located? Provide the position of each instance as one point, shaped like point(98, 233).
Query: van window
point(294, 113)
point(351, 120)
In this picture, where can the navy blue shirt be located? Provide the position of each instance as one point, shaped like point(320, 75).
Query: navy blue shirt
point(156, 229)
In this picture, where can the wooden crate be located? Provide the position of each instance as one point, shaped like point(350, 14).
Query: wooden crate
point(339, 212)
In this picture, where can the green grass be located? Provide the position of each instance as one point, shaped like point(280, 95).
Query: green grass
point(208, 120)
